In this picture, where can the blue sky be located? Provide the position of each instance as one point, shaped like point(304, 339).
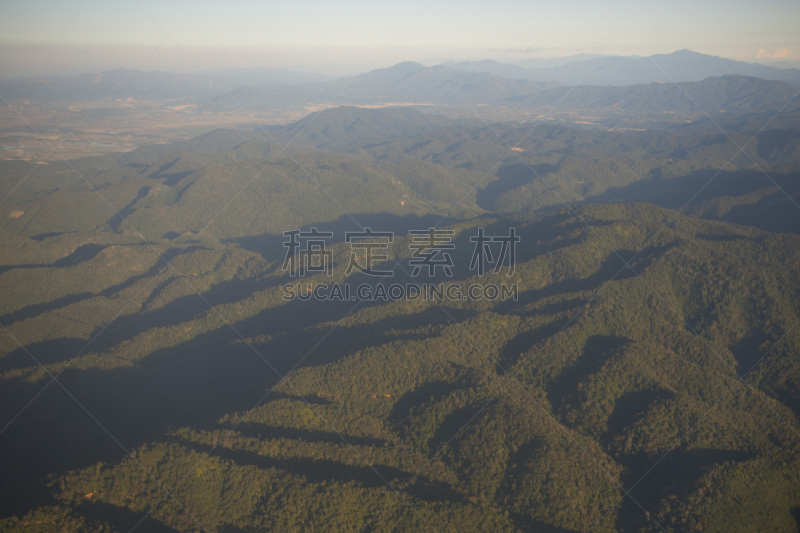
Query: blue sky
point(353, 35)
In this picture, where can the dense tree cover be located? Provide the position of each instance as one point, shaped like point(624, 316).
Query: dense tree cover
point(232, 184)
point(647, 377)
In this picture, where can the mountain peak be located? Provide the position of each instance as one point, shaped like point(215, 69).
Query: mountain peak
point(408, 66)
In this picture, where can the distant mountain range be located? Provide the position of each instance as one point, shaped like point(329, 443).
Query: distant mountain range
point(712, 95)
point(680, 66)
point(542, 62)
point(608, 85)
point(406, 82)
point(416, 84)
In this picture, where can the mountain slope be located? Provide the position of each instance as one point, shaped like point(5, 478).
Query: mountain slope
point(403, 83)
point(680, 66)
point(507, 415)
point(729, 94)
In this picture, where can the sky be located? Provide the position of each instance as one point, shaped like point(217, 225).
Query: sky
point(347, 36)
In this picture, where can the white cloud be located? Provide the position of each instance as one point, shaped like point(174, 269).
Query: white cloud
point(779, 53)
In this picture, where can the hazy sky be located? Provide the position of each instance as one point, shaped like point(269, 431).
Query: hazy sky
point(64, 36)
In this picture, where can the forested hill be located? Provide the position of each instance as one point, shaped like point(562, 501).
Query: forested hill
point(161, 368)
point(405, 163)
point(647, 351)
